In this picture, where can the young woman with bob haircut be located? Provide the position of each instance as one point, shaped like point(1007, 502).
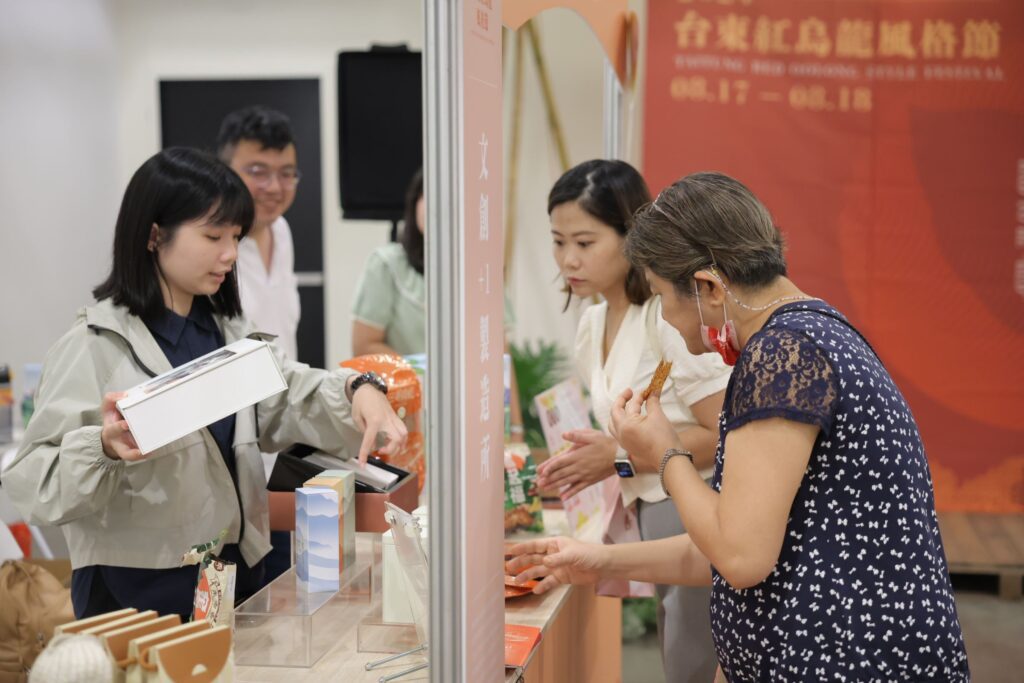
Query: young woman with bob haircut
point(819, 537)
point(171, 296)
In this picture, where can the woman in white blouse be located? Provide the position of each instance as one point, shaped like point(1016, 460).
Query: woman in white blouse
point(619, 343)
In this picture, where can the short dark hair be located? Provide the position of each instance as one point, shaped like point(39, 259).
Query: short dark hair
point(610, 191)
point(173, 187)
point(269, 127)
point(412, 238)
point(707, 219)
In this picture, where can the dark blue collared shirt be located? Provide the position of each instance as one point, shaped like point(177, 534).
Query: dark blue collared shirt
point(183, 339)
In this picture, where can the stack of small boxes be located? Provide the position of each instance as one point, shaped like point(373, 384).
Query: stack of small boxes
point(325, 530)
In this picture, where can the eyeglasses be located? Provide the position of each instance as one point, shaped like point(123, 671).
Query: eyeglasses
point(263, 176)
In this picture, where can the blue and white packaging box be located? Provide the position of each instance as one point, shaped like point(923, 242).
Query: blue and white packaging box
point(344, 482)
point(317, 557)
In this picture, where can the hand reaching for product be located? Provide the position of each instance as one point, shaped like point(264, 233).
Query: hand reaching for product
point(118, 442)
point(556, 561)
point(373, 415)
point(590, 460)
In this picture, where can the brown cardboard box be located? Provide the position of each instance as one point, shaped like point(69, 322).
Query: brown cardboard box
point(369, 506)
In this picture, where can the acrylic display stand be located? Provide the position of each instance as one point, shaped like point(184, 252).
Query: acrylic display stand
point(408, 640)
point(284, 625)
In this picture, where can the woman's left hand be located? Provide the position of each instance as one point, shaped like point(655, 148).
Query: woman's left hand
point(373, 415)
point(590, 459)
point(644, 437)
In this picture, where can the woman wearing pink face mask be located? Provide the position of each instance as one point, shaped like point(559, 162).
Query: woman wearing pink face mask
point(819, 537)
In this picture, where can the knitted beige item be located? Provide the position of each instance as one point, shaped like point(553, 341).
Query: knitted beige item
point(73, 659)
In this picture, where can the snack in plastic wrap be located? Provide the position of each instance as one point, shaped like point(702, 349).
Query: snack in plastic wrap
point(522, 499)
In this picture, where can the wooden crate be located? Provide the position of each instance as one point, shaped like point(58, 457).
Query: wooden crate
point(978, 543)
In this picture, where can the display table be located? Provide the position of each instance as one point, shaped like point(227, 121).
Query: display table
point(581, 640)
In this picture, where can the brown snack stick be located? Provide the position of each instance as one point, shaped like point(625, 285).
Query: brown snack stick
point(658, 381)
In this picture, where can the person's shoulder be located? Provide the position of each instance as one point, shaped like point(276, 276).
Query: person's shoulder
point(85, 341)
point(780, 349)
point(590, 318)
point(799, 315)
point(392, 253)
point(594, 313)
point(281, 225)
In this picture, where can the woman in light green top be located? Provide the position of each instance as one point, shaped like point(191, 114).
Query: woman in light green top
point(389, 313)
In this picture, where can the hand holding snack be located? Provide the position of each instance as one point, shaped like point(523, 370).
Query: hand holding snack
point(645, 436)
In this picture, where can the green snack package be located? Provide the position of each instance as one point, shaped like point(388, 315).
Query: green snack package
point(522, 499)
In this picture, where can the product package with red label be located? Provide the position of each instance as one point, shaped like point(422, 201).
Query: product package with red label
point(215, 591)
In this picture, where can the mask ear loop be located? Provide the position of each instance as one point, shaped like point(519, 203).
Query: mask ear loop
point(728, 330)
point(696, 291)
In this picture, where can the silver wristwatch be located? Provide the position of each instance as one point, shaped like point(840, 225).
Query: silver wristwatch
point(669, 454)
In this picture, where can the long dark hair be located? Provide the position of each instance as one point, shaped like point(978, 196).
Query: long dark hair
point(412, 238)
point(173, 187)
point(610, 191)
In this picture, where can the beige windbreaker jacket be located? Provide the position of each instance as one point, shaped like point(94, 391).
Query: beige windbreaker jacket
point(148, 513)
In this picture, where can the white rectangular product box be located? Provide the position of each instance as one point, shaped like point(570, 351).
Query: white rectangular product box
point(317, 551)
point(199, 393)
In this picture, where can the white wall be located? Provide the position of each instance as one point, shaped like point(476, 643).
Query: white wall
point(79, 81)
point(57, 176)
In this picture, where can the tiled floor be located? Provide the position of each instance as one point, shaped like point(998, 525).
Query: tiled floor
point(993, 630)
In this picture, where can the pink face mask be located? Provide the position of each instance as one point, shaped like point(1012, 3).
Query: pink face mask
point(725, 343)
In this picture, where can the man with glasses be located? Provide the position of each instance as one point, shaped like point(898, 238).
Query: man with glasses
point(257, 143)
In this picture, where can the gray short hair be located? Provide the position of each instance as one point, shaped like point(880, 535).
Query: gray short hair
point(703, 219)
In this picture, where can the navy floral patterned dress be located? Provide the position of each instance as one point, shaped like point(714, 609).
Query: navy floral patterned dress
point(861, 590)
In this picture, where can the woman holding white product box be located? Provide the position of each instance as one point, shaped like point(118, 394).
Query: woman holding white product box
point(171, 297)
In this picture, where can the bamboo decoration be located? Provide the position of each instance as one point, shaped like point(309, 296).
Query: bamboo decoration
point(554, 127)
point(549, 99)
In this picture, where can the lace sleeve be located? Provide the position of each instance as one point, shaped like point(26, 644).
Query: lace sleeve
point(783, 374)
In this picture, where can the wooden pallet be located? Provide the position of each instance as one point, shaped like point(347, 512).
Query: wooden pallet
point(978, 543)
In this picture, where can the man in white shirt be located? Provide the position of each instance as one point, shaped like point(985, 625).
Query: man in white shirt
point(257, 143)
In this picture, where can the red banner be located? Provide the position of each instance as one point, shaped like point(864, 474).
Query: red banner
point(887, 139)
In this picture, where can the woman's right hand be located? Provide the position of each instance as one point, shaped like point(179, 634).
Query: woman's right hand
point(118, 442)
point(556, 561)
